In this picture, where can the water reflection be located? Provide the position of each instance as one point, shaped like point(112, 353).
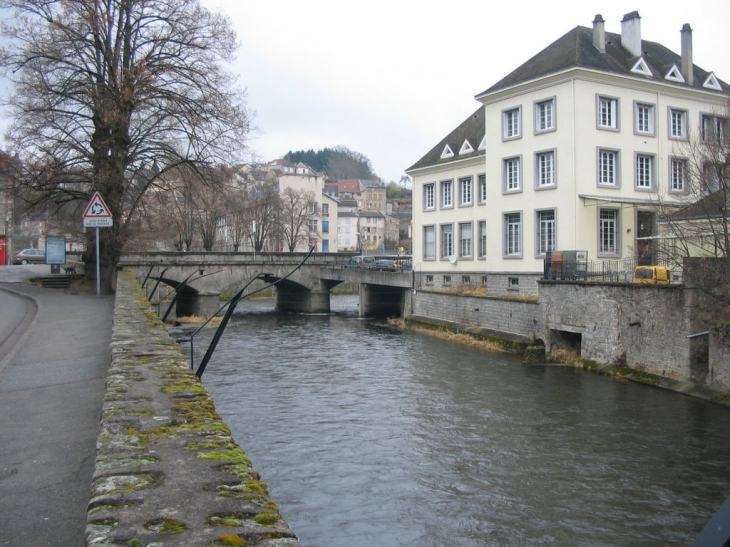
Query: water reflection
point(370, 436)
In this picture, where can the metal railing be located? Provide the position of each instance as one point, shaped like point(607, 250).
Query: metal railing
point(616, 271)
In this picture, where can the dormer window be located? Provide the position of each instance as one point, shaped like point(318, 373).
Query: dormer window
point(447, 153)
point(466, 148)
point(483, 144)
point(674, 75)
point(712, 83)
point(642, 68)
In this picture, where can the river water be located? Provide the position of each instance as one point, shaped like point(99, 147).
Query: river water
point(372, 437)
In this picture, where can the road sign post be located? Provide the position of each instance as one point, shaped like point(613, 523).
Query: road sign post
point(97, 215)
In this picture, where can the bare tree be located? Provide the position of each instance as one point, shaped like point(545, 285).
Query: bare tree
point(209, 206)
point(298, 207)
point(103, 87)
point(262, 205)
point(694, 216)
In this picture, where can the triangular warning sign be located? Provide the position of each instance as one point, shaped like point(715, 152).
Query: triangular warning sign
point(97, 208)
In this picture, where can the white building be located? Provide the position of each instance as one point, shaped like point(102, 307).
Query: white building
point(580, 144)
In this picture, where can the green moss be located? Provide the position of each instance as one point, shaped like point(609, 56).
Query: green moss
point(243, 471)
point(111, 505)
point(230, 540)
point(229, 519)
point(166, 526)
point(123, 461)
point(224, 443)
point(235, 455)
point(266, 519)
point(252, 490)
point(184, 386)
point(120, 484)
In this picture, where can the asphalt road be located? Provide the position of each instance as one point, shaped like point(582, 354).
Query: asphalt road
point(54, 358)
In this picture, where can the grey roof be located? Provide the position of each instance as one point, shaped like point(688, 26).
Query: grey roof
point(714, 205)
point(371, 214)
point(471, 129)
point(576, 50)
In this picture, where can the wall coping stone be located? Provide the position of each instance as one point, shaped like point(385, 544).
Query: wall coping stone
point(167, 471)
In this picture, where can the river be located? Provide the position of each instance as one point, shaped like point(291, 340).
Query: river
point(368, 436)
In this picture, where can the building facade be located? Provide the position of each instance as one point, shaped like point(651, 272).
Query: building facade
point(582, 146)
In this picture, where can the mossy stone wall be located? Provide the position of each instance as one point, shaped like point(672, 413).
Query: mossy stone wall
point(168, 471)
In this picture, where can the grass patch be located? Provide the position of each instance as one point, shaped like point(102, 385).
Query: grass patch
point(199, 320)
point(166, 526)
point(230, 540)
point(468, 339)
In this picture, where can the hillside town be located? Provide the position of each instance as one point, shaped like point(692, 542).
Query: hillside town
point(278, 206)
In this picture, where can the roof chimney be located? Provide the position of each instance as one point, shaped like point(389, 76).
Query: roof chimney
point(687, 64)
point(631, 33)
point(599, 33)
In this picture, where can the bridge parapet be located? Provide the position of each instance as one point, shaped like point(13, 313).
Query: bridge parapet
point(306, 290)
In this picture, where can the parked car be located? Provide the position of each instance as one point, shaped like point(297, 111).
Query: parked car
point(361, 262)
point(385, 265)
point(31, 256)
point(652, 274)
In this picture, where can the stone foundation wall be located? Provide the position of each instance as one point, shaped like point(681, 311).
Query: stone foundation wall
point(513, 320)
point(167, 471)
point(642, 326)
point(719, 374)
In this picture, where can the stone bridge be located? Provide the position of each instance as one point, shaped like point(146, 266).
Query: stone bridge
point(200, 279)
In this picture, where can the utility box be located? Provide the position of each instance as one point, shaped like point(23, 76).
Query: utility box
point(566, 265)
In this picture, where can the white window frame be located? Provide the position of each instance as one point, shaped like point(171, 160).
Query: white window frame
point(512, 123)
point(713, 128)
point(607, 113)
point(678, 173)
point(512, 231)
point(545, 123)
point(512, 175)
point(466, 244)
point(447, 243)
point(644, 172)
point(430, 228)
point(429, 196)
point(609, 232)
point(447, 194)
point(710, 181)
point(466, 191)
point(678, 124)
point(482, 188)
point(644, 119)
point(546, 169)
point(602, 170)
point(482, 234)
point(546, 236)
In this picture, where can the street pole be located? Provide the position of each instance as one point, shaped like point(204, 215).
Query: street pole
point(98, 268)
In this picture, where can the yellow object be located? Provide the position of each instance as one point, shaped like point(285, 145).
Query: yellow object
point(658, 275)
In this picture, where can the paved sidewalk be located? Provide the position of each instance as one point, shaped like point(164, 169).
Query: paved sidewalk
point(52, 383)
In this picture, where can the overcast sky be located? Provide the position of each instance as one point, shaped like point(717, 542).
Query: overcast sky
point(391, 78)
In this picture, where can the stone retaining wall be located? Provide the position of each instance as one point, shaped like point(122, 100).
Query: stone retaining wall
point(510, 319)
point(167, 470)
point(719, 349)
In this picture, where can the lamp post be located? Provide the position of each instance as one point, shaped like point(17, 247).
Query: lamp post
point(359, 243)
